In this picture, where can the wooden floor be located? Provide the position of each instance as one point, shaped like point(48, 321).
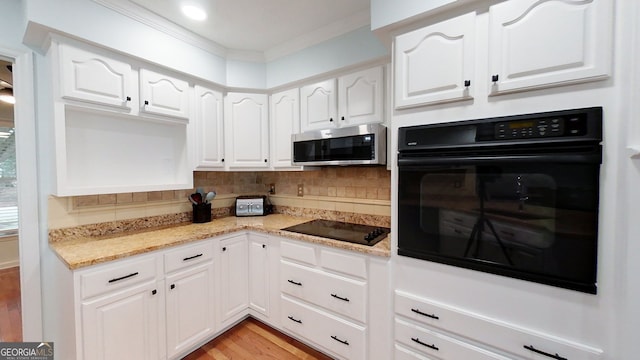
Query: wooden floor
point(10, 311)
point(252, 339)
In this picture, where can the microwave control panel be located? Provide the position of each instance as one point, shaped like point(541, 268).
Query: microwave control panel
point(540, 128)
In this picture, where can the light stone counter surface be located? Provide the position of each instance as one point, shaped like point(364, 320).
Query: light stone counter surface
point(85, 251)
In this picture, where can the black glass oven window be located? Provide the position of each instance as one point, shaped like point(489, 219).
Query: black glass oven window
point(359, 147)
point(535, 221)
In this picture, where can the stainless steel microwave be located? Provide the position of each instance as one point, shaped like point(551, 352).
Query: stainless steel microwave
point(355, 145)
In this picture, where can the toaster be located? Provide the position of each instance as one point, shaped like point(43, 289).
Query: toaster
point(252, 205)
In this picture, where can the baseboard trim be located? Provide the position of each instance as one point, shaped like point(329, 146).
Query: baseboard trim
point(9, 264)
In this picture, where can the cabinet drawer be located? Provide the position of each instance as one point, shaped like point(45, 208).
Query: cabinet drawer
point(117, 276)
point(344, 263)
point(439, 345)
point(402, 353)
point(501, 335)
point(336, 335)
point(340, 295)
point(298, 252)
point(187, 256)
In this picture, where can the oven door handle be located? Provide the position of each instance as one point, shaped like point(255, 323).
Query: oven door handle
point(581, 158)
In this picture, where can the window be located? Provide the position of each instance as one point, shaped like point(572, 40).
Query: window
point(8, 183)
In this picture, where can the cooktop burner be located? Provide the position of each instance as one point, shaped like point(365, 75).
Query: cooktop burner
point(343, 231)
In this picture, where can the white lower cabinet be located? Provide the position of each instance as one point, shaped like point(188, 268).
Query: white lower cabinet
point(120, 306)
point(259, 273)
point(324, 296)
point(189, 298)
point(234, 278)
point(123, 325)
point(446, 332)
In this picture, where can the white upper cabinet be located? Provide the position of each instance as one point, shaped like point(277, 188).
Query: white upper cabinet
point(163, 95)
point(94, 78)
point(209, 128)
point(435, 64)
point(353, 99)
point(318, 106)
point(535, 44)
point(246, 126)
point(361, 97)
point(284, 121)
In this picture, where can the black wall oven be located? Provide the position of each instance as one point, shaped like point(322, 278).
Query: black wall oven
point(514, 196)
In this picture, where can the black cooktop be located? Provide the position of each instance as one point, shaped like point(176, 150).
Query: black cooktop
point(343, 231)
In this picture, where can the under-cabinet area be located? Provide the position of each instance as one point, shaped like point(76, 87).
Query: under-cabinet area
point(167, 302)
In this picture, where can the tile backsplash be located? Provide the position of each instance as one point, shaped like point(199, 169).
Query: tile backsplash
point(336, 191)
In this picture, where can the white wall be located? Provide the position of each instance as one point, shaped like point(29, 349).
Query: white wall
point(391, 12)
point(355, 47)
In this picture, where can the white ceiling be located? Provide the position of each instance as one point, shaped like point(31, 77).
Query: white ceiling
point(265, 25)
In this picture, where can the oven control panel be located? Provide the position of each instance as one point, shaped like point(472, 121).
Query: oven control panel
point(540, 127)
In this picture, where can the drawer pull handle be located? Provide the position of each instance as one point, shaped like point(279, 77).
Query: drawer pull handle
point(340, 341)
point(433, 316)
point(123, 277)
point(294, 319)
point(340, 298)
point(295, 283)
point(433, 346)
point(191, 257)
point(556, 356)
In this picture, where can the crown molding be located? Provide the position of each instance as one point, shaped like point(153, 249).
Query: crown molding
point(148, 18)
point(320, 35)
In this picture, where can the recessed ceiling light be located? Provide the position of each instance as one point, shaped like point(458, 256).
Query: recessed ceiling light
point(194, 12)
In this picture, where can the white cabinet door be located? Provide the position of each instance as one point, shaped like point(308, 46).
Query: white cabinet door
point(259, 273)
point(209, 129)
point(285, 121)
point(163, 95)
point(234, 277)
point(435, 64)
point(535, 44)
point(123, 325)
point(246, 126)
point(189, 308)
point(94, 78)
point(361, 97)
point(318, 108)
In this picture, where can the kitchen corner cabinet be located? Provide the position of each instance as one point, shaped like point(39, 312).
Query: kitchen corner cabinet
point(259, 261)
point(353, 99)
point(209, 129)
point(435, 64)
point(234, 278)
point(536, 44)
point(246, 126)
point(284, 122)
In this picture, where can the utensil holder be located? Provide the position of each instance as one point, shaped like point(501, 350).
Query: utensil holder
point(201, 213)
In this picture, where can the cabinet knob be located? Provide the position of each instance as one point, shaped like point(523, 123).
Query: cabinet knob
point(224, 248)
point(342, 118)
point(222, 160)
point(264, 246)
point(467, 83)
point(495, 78)
point(154, 291)
point(128, 98)
point(265, 160)
point(173, 286)
point(330, 119)
point(146, 102)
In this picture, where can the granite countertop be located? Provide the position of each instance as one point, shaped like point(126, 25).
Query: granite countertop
point(85, 251)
